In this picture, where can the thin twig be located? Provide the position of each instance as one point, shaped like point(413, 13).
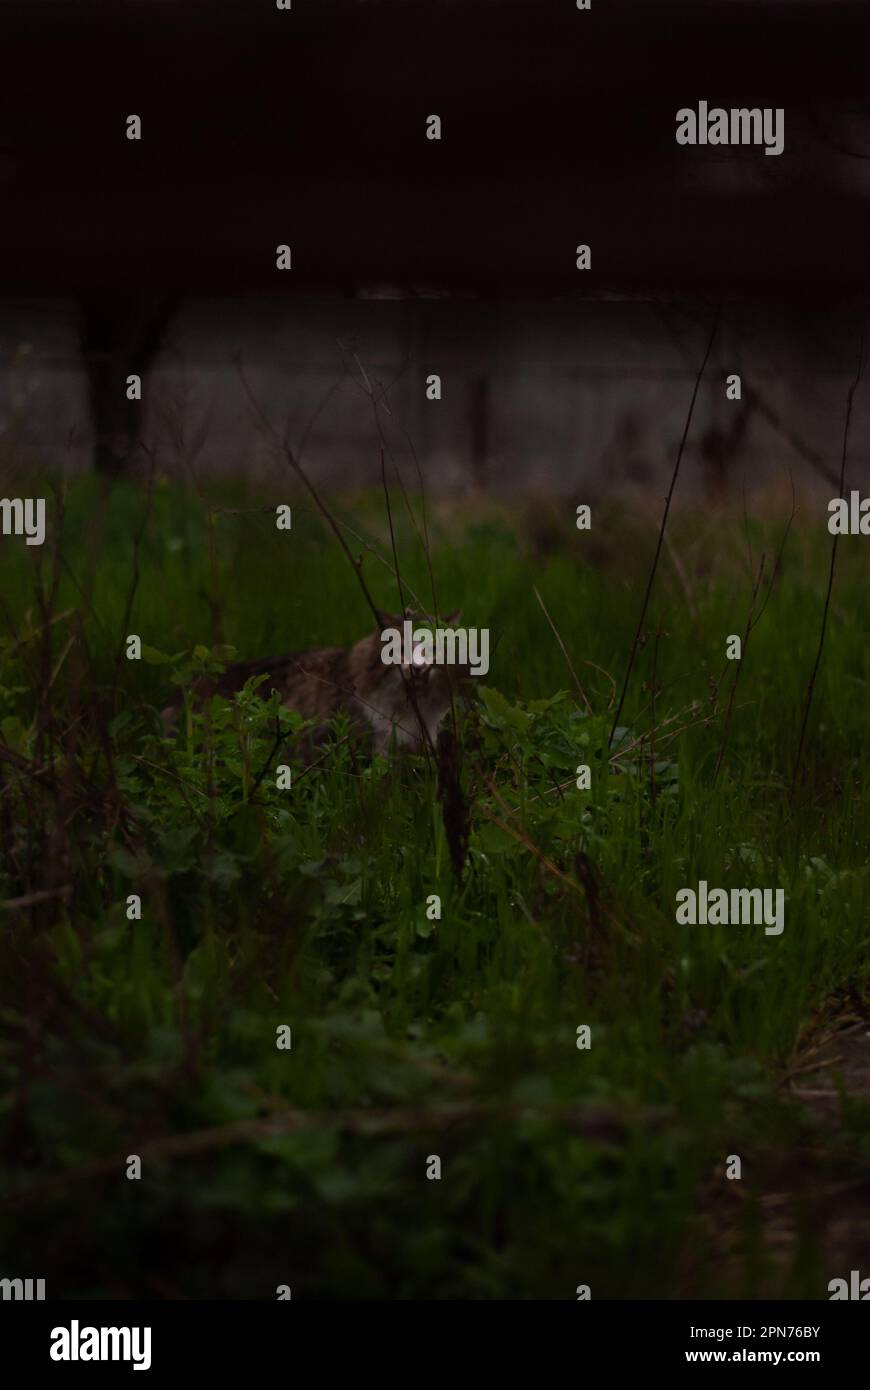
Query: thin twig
point(30, 899)
point(812, 681)
point(563, 648)
point(658, 551)
point(356, 565)
point(596, 1121)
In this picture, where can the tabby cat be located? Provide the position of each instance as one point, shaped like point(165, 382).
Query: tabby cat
point(394, 706)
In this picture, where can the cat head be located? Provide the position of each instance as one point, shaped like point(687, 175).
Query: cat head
point(421, 667)
point(406, 692)
point(414, 615)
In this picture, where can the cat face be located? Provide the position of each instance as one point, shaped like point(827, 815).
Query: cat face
point(422, 665)
point(411, 693)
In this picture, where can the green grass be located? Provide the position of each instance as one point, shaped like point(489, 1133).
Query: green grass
point(307, 908)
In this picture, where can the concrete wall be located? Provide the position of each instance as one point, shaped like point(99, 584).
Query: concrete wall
point(560, 395)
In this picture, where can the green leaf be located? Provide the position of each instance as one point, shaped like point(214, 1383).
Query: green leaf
point(491, 839)
point(223, 868)
point(126, 863)
point(153, 657)
point(501, 712)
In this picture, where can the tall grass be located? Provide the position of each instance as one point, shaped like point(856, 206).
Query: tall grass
point(413, 1037)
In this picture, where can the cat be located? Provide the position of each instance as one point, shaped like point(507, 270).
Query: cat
point(391, 706)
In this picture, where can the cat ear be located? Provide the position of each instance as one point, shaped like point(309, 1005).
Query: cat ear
point(451, 618)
